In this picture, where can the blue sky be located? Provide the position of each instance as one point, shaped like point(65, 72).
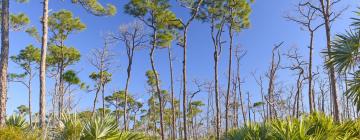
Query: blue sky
point(267, 28)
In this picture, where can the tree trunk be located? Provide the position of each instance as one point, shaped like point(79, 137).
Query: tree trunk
point(130, 57)
point(228, 80)
point(217, 96)
point(29, 94)
point(235, 106)
point(173, 119)
point(238, 81)
point(158, 91)
point(184, 81)
point(61, 87)
point(326, 15)
point(311, 96)
point(95, 100)
point(103, 99)
point(43, 68)
point(4, 59)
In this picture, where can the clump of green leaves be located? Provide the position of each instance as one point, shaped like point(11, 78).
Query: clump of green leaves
point(18, 21)
point(96, 8)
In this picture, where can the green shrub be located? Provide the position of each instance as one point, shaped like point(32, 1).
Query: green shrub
point(70, 128)
point(18, 121)
point(100, 128)
point(16, 133)
point(312, 127)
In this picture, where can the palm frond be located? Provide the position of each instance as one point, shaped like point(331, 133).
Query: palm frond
point(101, 128)
point(344, 54)
point(18, 121)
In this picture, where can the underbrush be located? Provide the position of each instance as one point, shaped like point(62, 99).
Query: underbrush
point(312, 127)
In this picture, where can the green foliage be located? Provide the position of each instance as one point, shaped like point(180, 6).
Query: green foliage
point(64, 55)
point(33, 32)
point(27, 57)
point(354, 89)
point(156, 15)
point(344, 52)
point(70, 128)
point(151, 80)
point(249, 132)
point(61, 24)
point(120, 97)
point(71, 77)
point(238, 13)
point(98, 128)
point(194, 108)
point(344, 56)
point(22, 1)
point(212, 10)
point(312, 127)
point(356, 21)
point(18, 21)
point(15, 133)
point(132, 136)
point(101, 76)
point(17, 121)
point(96, 8)
point(258, 104)
point(22, 109)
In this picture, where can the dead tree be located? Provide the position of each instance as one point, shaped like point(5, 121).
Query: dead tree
point(133, 37)
point(239, 54)
point(259, 82)
point(209, 86)
point(324, 8)
point(306, 17)
point(102, 59)
point(271, 75)
point(297, 66)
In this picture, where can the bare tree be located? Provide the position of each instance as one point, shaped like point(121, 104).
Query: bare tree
point(239, 54)
point(271, 75)
point(133, 37)
point(259, 82)
point(173, 118)
point(298, 66)
point(102, 60)
point(235, 104)
point(306, 16)
point(209, 87)
point(325, 7)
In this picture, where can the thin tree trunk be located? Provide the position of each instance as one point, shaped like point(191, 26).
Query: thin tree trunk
point(238, 79)
point(95, 100)
point(158, 91)
point(235, 106)
point(216, 42)
point(184, 81)
point(217, 96)
point(103, 99)
point(29, 94)
point(43, 67)
point(173, 119)
point(130, 57)
point(228, 80)
point(311, 96)
point(61, 87)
